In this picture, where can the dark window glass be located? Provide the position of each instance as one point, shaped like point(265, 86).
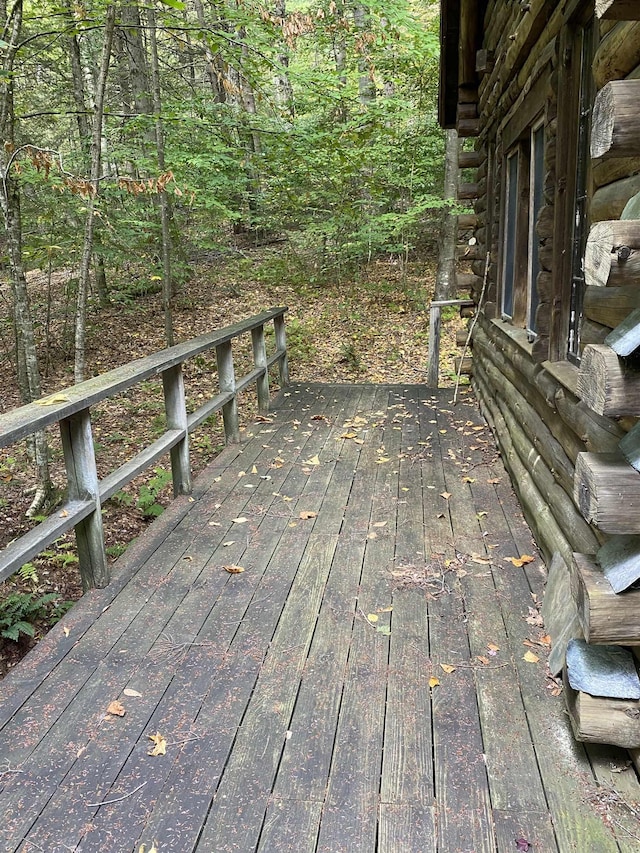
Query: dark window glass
point(537, 199)
point(511, 209)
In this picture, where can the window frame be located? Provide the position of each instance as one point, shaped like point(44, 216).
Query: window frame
point(519, 243)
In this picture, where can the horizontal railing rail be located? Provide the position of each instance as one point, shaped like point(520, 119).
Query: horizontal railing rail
point(71, 409)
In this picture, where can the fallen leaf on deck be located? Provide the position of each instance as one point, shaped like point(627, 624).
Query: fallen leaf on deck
point(217, 479)
point(66, 631)
point(530, 657)
point(379, 524)
point(349, 435)
point(261, 419)
point(382, 459)
point(242, 474)
point(308, 513)
point(483, 660)
point(433, 682)
point(494, 481)
point(254, 470)
point(51, 401)
point(386, 609)
point(315, 460)
point(116, 708)
point(372, 536)
point(320, 418)
point(518, 562)
point(446, 667)
point(481, 561)
point(228, 542)
point(522, 844)
point(240, 520)
point(160, 747)
point(482, 514)
point(64, 513)
point(233, 570)
point(445, 495)
point(468, 479)
point(493, 648)
point(372, 617)
point(383, 629)
point(129, 691)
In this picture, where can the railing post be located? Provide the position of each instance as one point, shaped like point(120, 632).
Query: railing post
point(260, 360)
point(281, 346)
point(82, 478)
point(176, 408)
point(227, 382)
point(434, 346)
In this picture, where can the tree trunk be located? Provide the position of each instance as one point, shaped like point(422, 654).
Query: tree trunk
point(78, 76)
point(165, 209)
point(96, 160)
point(26, 356)
point(446, 276)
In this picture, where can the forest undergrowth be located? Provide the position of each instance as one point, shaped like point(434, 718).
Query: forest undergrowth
point(370, 328)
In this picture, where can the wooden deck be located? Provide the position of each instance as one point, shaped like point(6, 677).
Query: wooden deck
point(294, 697)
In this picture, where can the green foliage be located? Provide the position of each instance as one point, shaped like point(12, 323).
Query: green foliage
point(147, 501)
point(299, 344)
point(346, 162)
point(20, 611)
point(28, 573)
point(116, 551)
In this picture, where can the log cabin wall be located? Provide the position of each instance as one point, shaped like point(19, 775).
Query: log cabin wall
point(557, 338)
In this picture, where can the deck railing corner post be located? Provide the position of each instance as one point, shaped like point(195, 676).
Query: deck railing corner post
point(176, 411)
point(82, 479)
point(227, 383)
point(260, 361)
point(281, 347)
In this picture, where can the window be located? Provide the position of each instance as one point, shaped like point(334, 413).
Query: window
point(523, 199)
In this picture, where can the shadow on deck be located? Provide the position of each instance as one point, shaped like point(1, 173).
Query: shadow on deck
point(294, 697)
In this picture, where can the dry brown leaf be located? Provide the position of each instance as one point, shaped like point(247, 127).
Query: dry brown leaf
point(254, 470)
point(379, 524)
point(446, 667)
point(494, 481)
point(468, 479)
point(349, 435)
point(308, 513)
point(66, 631)
point(51, 401)
point(160, 745)
point(445, 495)
point(233, 570)
point(518, 562)
point(116, 708)
point(372, 617)
point(433, 682)
point(530, 657)
point(492, 647)
point(484, 660)
point(315, 460)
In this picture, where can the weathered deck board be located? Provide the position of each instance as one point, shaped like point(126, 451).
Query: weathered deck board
point(294, 725)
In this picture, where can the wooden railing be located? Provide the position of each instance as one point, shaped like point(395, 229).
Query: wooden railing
point(71, 409)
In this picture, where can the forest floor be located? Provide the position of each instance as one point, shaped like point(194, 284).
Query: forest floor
point(370, 329)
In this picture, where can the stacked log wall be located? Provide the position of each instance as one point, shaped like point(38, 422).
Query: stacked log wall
point(540, 423)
